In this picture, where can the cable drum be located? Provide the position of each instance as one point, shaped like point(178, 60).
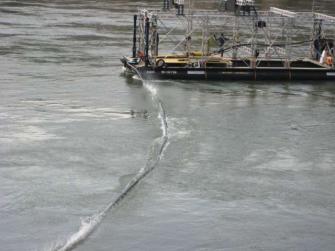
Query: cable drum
point(160, 63)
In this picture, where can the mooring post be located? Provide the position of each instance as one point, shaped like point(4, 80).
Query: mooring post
point(147, 31)
point(134, 36)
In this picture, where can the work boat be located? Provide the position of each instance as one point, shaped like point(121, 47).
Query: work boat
point(235, 42)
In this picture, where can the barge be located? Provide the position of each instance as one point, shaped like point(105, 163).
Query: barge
point(235, 42)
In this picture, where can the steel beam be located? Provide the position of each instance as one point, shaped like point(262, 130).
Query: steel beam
point(283, 12)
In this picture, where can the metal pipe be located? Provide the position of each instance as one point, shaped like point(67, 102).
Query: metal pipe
point(134, 36)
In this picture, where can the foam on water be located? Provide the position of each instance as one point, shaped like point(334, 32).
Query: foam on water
point(90, 224)
point(179, 128)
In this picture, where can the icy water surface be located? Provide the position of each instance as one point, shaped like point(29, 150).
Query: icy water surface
point(242, 166)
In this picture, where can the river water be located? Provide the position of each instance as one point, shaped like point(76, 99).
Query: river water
point(245, 166)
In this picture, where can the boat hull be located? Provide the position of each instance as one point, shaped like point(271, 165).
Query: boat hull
point(315, 72)
point(237, 74)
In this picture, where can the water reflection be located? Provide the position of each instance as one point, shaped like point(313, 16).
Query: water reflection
point(254, 92)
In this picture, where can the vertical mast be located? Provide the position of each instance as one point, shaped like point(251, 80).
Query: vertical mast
point(205, 36)
point(189, 19)
point(288, 41)
point(235, 36)
point(134, 36)
point(316, 34)
point(141, 31)
point(254, 38)
point(146, 32)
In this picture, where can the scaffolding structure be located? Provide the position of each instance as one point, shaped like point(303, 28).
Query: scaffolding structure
point(275, 34)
